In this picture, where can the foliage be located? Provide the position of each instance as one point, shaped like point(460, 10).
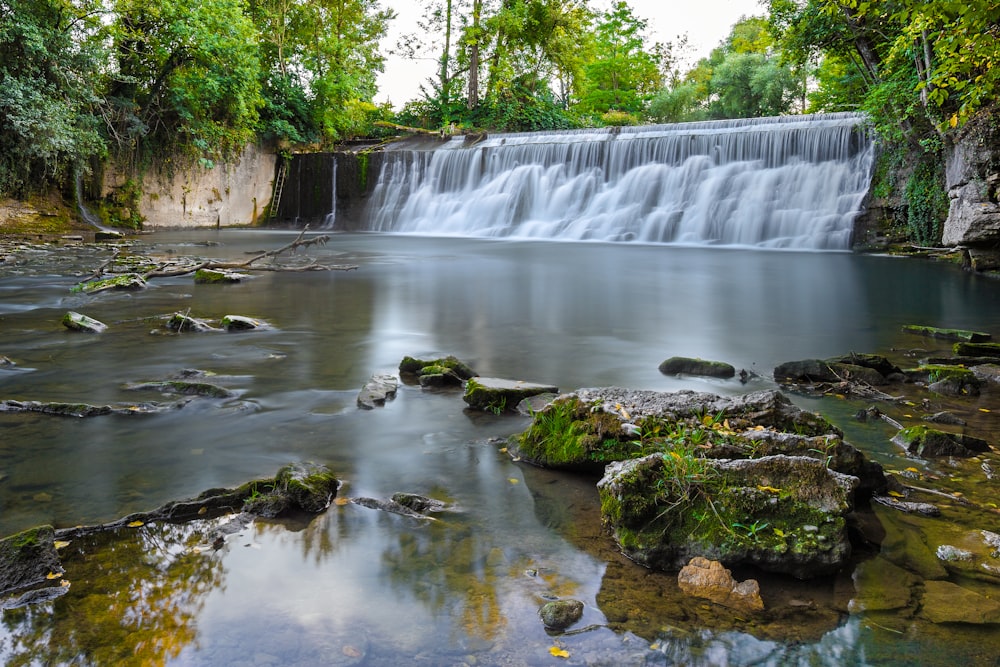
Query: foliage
point(49, 53)
point(926, 200)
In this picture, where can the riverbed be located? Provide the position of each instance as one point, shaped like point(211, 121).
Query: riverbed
point(359, 586)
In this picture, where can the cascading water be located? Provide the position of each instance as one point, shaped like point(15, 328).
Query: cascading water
point(785, 182)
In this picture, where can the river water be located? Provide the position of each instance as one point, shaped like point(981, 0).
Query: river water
point(358, 586)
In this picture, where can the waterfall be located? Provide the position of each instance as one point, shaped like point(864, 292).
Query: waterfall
point(784, 182)
point(331, 218)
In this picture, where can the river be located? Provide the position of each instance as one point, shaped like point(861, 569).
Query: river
point(357, 586)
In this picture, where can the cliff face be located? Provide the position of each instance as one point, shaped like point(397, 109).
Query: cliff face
point(233, 193)
point(973, 177)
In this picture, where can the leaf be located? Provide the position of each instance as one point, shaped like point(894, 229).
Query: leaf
point(912, 470)
point(512, 480)
point(59, 544)
point(778, 532)
point(896, 494)
point(135, 524)
point(768, 489)
point(64, 583)
point(53, 575)
point(558, 652)
point(983, 410)
point(341, 501)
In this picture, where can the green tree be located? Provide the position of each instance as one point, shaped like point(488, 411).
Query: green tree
point(51, 57)
point(624, 74)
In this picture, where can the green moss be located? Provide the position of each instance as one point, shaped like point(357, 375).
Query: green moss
point(127, 281)
point(964, 349)
point(937, 372)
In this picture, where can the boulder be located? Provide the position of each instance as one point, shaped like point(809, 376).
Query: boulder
point(870, 369)
point(690, 366)
point(76, 322)
point(880, 585)
point(709, 579)
point(417, 503)
point(780, 513)
point(454, 370)
point(807, 371)
point(499, 395)
point(972, 181)
point(27, 559)
point(949, 380)
point(560, 614)
point(125, 281)
point(181, 322)
point(377, 390)
point(947, 334)
point(988, 350)
point(927, 442)
point(308, 487)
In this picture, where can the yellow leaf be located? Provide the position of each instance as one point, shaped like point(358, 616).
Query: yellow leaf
point(953, 120)
point(341, 500)
point(758, 427)
point(512, 480)
point(59, 544)
point(725, 425)
point(778, 532)
point(983, 410)
point(558, 652)
point(64, 583)
point(768, 489)
point(676, 455)
point(896, 494)
point(503, 450)
point(135, 524)
point(958, 494)
point(912, 470)
point(53, 575)
point(203, 510)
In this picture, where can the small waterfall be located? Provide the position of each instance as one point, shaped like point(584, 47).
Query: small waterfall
point(785, 182)
point(331, 218)
point(85, 213)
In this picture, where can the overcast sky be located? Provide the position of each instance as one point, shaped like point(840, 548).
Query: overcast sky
point(706, 23)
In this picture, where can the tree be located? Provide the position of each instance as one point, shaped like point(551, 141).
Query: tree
point(623, 75)
point(51, 55)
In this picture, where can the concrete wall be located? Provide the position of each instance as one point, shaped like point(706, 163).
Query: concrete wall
point(230, 194)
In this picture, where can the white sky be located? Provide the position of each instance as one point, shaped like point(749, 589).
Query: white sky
point(706, 23)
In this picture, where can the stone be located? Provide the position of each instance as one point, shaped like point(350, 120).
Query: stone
point(77, 322)
point(690, 366)
point(779, 513)
point(417, 503)
point(989, 350)
point(214, 277)
point(377, 391)
point(125, 281)
point(413, 366)
point(987, 373)
point(560, 614)
point(928, 442)
point(806, 370)
point(880, 585)
point(945, 602)
point(181, 322)
point(709, 579)
point(500, 395)
point(944, 417)
point(308, 487)
point(27, 558)
point(242, 323)
point(971, 177)
point(947, 334)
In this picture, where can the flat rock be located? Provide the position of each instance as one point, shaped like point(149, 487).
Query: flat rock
point(499, 394)
point(880, 585)
point(377, 390)
point(75, 321)
point(945, 602)
point(27, 558)
point(692, 366)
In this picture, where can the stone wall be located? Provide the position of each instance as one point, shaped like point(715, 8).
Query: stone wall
point(229, 194)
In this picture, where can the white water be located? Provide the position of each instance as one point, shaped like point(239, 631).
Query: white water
point(786, 182)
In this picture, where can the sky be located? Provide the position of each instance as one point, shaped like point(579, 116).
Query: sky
point(705, 22)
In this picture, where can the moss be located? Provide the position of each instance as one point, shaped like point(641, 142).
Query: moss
point(125, 281)
point(416, 366)
point(937, 372)
point(964, 349)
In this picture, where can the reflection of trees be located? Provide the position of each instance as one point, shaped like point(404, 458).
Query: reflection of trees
point(135, 595)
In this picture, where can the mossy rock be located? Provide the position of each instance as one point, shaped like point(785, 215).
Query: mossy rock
point(413, 366)
point(500, 395)
point(242, 323)
point(925, 442)
point(78, 322)
point(185, 387)
point(27, 558)
point(691, 366)
point(991, 350)
point(948, 334)
point(181, 322)
point(875, 362)
point(126, 281)
point(782, 514)
point(560, 614)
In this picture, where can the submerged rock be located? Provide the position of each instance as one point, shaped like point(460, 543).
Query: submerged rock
point(125, 281)
point(783, 514)
point(500, 395)
point(945, 602)
point(376, 391)
point(691, 366)
point(214, 277)
point(184, 387)
point(990, 350)
point(77, 322)
point(181, 322)
point(709, 579)
point(417, 503)
point(242, 323)
point(870, 369)
point(560, 614)
point(928, 442)
point(947, 334)
point(86, 410)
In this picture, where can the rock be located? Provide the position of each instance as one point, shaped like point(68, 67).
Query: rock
point(951, 380)
point(589, 428)
point(874, 362)
point(807, 371)
point(309, 487)
point(988, 373)
point(560, 614)
point(420, 504)
point(377, 390)
point(6, 361)
point(213, 277)
point(945, 602)
point(242, 323)
point(184, 387)
point(944, 418)
point(880, 585)
point(948, 553)
point(708, 579)
point(181, 322)
point(499, 395)
point(125, 281)
point(990, 350)
point(76, 322)
point(391, 506)
point(926, 442)
point(909, 507)
point(689, 366)
point(27, 558)
point(947, 334)
point(461, 370)
point(779, 513)
point(86, 410)
point(970, 173)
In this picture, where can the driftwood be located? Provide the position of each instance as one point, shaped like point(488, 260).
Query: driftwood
point(176, 268)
